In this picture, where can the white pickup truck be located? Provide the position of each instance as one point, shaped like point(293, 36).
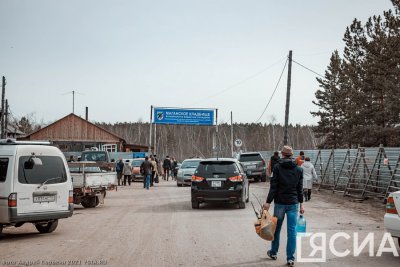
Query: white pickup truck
point(90, 183)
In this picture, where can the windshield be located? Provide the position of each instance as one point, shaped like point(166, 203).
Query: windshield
point(94, 156)
point(3, 169)
point(52, 167)
point(190, 164)
point(137, 163)
point(250, 157)
point(217, 167)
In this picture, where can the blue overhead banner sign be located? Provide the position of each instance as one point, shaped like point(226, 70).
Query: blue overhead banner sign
point(184, 116)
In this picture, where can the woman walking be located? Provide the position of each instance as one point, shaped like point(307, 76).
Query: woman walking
point(309, 175)
point(127, 171)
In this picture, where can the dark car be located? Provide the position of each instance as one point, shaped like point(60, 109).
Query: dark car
point(217, 180)
point(254, 166)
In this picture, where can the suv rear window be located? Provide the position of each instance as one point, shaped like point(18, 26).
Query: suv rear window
point(52, 170)
point(250, 157)
point(217, 167)
point(94, 156)
point(3, 169)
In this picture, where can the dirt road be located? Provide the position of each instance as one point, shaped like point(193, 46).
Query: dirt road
point(158, 227)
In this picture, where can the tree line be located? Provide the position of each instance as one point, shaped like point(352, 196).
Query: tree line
point(359, 96)
point(184, 141)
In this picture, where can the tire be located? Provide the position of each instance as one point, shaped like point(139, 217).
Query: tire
point(179, 185)
point(104, 193)
point(242, 205)
point(90, 202)
point(45, 228)
point(263, 178)
point(1, 229)
point(248, 194)
point(195, 205)
point(256, 179)
point(398, 239)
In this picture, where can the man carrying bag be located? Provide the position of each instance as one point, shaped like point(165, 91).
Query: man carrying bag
point(286, 191)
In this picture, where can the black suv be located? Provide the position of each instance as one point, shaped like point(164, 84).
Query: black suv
point(220, 180)
point(254, 166)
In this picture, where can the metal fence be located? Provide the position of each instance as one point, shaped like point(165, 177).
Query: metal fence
point(360, 173)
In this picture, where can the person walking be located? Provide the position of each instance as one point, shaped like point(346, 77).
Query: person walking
point(272, 162)
point(127, 171)
point(166, 167)
point(300, 159)
point(119, 167)
point(309, 175)
point(286, 191)
point(174, 166)
point(154, 172)
point(146, 170)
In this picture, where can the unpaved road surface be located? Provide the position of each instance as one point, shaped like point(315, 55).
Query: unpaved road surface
point(157, 227)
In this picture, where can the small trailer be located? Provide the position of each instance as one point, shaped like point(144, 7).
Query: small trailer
point(91, 182)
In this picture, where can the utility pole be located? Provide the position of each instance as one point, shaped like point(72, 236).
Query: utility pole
point(73, 102)
point(6, 120)
point(3, 93)
point(285, 137)
point(150, 133)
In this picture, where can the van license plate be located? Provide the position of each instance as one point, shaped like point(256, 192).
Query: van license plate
point(216, 183)
point(38, 199)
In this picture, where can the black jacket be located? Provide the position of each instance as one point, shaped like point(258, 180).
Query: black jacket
point(146, 168)
point(286, 183)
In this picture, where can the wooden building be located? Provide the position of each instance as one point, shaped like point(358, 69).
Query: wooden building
point(73, 133)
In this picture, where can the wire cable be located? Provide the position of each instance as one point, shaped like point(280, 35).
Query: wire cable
point(273, 93)
point(308, 68)
point(239, 83)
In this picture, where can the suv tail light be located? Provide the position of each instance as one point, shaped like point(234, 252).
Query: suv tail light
point(197, 178)
point(238, 178)
point(71, 197)
point(12, 200)
point(390, 207)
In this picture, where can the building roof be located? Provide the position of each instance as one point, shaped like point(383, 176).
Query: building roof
point(71, 117)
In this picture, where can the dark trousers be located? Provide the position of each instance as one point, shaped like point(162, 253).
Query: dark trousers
point(127, 177)
point(166, 174)
point(119, 177)
point(153, 175)
point(307, 194)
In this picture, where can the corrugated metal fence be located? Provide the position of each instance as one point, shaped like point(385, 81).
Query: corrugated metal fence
point(361, 172)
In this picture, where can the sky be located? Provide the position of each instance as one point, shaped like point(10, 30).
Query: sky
point(123, 56)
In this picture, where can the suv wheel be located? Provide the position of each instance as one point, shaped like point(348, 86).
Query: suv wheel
point(1, 229)
point(195, 205)
point(90, 202)
point(263, 178)
point(242, 205)
point(46, 227)
point(256, 179)
point(248, 194)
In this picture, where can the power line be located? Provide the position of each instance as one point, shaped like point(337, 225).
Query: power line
point(239, 83)
point(273, 93)
point(301, 65)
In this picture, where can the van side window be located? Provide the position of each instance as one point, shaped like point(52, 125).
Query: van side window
point(3, 169)
point(51, 171)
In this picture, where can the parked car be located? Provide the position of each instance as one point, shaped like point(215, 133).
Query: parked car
point(186, 170)
point(219, 180)
point(136, 175)
point(392, 216)
point(254, 166)
point(35, 185)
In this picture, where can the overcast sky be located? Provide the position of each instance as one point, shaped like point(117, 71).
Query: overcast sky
point(121, 57)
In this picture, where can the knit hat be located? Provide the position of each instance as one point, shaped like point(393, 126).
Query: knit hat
point(287, 151)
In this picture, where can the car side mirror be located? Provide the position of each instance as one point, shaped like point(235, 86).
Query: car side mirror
point(31, 162)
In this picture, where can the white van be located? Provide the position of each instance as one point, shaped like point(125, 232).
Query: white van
point(35, 185)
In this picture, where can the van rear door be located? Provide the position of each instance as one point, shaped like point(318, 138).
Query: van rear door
point(43, 187)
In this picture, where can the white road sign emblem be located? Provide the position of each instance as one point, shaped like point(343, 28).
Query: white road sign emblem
point(238, 143)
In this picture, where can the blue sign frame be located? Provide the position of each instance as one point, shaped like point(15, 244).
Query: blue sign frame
point(203, 117)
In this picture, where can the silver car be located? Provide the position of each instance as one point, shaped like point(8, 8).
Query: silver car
point(185, 172)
